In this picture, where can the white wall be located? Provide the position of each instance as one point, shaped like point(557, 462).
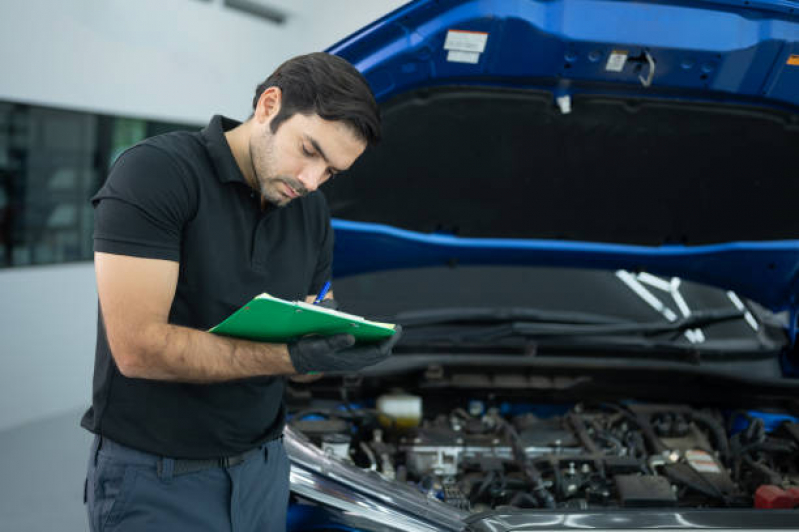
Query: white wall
point(171, 59)
point(179, 60)
point(47, 330)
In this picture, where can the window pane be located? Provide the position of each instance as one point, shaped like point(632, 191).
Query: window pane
point(51, 162)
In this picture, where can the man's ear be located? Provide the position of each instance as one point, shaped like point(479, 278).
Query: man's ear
point(268, 104)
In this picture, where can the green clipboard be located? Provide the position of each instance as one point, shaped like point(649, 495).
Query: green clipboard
point(271, 319)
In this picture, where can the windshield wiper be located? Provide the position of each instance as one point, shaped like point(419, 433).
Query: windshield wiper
point(448, 316)
point(468, 326)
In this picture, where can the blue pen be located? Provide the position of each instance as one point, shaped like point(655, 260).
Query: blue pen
point(322, 293)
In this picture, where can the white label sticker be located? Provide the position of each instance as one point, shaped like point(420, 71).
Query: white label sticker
point(702, 462)
point(466, 41)
point(456, 56)
point(616, 61)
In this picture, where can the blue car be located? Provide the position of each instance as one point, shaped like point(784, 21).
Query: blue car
point(584, 215)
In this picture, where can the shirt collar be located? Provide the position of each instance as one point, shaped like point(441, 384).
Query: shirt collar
point(227, 170)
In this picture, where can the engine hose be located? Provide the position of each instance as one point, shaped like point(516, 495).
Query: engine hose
point(578, 426)
point(557, 479)
point(539, 489)
point(642, 422)
point(649, 433)
point(770, 446)
point(774, 445)
point(503, 481)
point(722, 444)
point(346, 400)
point(613, 440)
point(636, 444)
point(369, 455)
point(523, 497)
point(623, 412)
point(772, 476)
point(756, 431)
point(483, 487)
point(527, 466)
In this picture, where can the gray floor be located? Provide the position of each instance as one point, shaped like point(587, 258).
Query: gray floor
point(43, 464)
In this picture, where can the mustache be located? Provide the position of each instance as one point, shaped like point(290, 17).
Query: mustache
point(298, 187)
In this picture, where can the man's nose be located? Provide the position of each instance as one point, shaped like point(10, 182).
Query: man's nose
point(311, 176)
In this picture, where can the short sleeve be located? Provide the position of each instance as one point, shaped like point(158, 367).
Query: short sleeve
point(141, 209)
point(324, 264)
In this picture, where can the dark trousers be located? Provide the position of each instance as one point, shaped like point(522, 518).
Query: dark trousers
point(129, 490)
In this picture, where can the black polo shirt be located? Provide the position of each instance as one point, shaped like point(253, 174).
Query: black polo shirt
point(181, 197)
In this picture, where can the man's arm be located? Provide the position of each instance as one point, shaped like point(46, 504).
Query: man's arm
point(135, 297)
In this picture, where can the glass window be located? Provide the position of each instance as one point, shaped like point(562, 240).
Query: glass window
point(51, 162)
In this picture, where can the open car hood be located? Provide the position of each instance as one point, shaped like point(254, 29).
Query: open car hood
point(588, 133)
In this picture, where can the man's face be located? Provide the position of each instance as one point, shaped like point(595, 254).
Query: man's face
point(304, 153)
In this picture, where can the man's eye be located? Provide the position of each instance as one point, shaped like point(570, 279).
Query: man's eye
point(307, 152)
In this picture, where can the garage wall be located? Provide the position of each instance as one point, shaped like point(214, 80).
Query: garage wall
point(179, 60)
point(169, 60)
point(49, 316)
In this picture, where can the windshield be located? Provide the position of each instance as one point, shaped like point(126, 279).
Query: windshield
point(491, 305)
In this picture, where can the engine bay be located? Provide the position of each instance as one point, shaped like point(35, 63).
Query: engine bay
point(486, 452)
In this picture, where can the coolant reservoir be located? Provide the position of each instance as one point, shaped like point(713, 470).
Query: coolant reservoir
point(399, 410)
point(337, 445)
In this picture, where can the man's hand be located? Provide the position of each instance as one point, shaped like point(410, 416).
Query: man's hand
point(329, 303)
point(336, 353)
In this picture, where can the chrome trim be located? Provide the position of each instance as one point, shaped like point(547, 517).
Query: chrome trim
point(627, 520)
point(332, 482)
point(319, 489)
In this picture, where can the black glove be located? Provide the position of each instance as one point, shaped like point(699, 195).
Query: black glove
point(330, 303)
point(336, 353)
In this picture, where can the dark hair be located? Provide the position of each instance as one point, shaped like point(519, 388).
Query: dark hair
point(328, 86)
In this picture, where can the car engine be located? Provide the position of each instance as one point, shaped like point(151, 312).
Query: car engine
point(481, 456)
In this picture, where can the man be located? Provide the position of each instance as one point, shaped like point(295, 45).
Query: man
point(188, 227)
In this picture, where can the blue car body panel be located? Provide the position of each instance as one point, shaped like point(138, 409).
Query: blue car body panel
point(722, 49)
point(746, 53)
point(364, 247)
